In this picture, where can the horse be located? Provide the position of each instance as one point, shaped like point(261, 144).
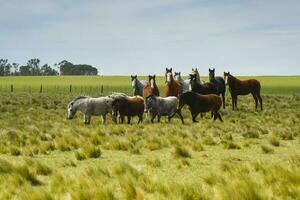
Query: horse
point(245, 87)
point(172, 87)
point(201, 103)
point(206, 88)
point(151, 87)
point(219, 82)
point(90, 106)
point(137, 85)
point(163, 106)
point(128, 106)
point(196, 72)
point(186, 86)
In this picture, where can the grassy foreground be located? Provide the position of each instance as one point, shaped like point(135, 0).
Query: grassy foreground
point(275, 85)
point(252, 155)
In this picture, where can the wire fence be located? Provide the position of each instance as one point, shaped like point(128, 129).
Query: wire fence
point(63, 89)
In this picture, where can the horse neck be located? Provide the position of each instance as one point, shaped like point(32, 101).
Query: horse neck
point(232, 80)
point(79, 105)
point(198, 77)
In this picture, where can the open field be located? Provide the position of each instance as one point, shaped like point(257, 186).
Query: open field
point(252, 155)
point(275, 85)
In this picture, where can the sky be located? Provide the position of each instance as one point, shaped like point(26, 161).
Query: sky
point(123, 37)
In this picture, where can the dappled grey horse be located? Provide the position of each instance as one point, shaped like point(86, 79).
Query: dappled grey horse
point(162, 106)
point(90, 106)
point(186, 86)
point(137, 85)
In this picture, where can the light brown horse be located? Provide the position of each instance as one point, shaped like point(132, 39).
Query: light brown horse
point(173, 87)
point(239, 87)
point(151, 88)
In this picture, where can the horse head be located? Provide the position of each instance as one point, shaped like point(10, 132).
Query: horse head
point(177, 76)
point(193, 78)
point(169, 75)
point(152, 80)
point(71, 110)
point(226, 75)
point(211, 74)
point(133, 80)
point(149, 102)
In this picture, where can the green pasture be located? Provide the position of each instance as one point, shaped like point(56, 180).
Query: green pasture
point(251, 155)
point(271, 85)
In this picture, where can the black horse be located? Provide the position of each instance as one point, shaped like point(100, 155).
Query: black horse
point(206, 88)
point(219, 82)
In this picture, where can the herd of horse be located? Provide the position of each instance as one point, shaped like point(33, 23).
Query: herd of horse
point(199, 96)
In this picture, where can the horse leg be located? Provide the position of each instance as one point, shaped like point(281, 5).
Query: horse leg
point(103, 118)
point(122, 119)
point(194, 116)
point(158, 118)
point(235, 102)
point(255, 99)
point(215, 116)
point(140, 119)
point(169, 119)
point(87, 119)
point(260, 101)
point(180, 115)
point(232, 101)
point(219, 116)
point(223, 98)
point(153, 117)
point(128, 119)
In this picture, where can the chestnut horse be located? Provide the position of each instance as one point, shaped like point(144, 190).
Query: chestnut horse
point(201, 103)
point(219, 82)
point(173, 87)
point(239, 87)
point(128, 106)
point(151, 88)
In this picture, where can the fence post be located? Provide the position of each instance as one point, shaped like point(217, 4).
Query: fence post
point(11, 88)
point(70, 88)
point(41, 89)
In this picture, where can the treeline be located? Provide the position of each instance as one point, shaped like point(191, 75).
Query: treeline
point(34, 67)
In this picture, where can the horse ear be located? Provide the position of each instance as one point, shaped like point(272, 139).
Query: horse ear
point(179, 73)
point(166, 69)
point(171, 69)
point(154, 76)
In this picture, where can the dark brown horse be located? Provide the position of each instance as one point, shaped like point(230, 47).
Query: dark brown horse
point(200, 104)
point(238, 87)
point(173, 87)
point(219, 82)
point(205, 88)
point(128, 106)
point(151, 88)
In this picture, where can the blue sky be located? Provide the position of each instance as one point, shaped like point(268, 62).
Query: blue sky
point(254, 37)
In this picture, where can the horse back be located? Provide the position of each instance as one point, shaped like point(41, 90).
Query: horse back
point(248, 86)
point(132, 106)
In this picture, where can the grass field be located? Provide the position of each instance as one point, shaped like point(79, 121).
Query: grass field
point(275, 85)
point(251, 155)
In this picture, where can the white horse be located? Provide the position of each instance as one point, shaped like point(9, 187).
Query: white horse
point(90, 106)
point(162, 106)
point(186, 85)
